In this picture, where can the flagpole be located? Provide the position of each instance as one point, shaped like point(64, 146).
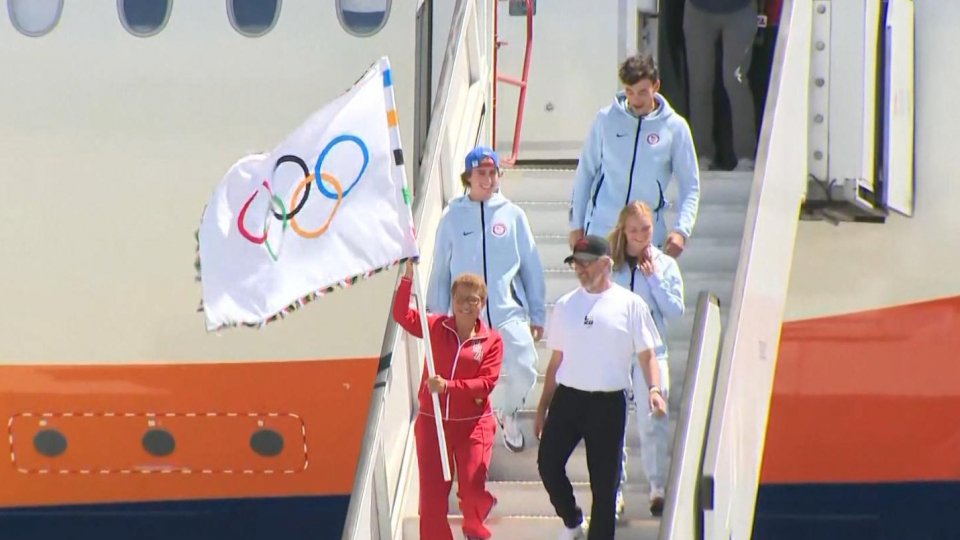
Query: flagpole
point(394, 130)
point(431, 371)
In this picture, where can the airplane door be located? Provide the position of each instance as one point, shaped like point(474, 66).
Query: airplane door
point(577, 47)
point(898, 108)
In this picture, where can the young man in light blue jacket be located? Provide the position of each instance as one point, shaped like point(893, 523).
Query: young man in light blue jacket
point(484, 233)
point(634, 148)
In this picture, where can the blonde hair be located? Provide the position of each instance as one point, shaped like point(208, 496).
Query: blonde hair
point(473, 282)
point(618, 238)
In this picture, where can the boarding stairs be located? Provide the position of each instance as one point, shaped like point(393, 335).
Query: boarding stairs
point(708, 264)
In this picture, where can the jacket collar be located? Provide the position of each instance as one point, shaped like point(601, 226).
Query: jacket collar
point(482, 330)
point(658, 256)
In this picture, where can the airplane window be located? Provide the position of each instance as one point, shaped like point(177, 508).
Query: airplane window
point(34, 18)
point(363, 17)
point(144, 18)
point(253, 18)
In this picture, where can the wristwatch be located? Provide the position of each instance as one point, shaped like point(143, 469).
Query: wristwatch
point(655, 389)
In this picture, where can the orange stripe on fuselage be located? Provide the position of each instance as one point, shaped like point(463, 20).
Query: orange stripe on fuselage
point(867, 397)
point(212, 410)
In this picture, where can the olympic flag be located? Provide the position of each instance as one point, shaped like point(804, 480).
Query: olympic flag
point(328, 206)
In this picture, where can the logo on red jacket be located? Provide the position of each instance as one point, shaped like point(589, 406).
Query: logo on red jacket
point(499, 229)
point(653, 138)
point(477, 351)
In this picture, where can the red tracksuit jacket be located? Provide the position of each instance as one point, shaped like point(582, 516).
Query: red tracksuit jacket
point(471, 367)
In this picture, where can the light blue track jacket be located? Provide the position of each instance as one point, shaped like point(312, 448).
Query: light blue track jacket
point(493, 240)
point(624, 151)
point(662, 291)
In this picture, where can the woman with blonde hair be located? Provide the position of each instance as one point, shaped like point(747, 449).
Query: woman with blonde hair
point(653, 275)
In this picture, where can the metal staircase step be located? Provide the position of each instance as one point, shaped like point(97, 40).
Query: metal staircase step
point(530, 499)
point(676, 366)
point(721, 222)
point(677, 348)
point(526, 418)
point(522, 467)
point(538, 528)
point(709, 263)
point(560, 282)
point(702, 254)
point(716, 187)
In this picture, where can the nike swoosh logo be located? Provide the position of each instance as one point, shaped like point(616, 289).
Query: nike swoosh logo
point(621, 135)
point(468, 233)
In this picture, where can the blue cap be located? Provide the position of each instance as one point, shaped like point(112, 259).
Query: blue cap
point(476, 157)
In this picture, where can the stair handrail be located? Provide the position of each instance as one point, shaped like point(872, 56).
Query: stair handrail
point(521, 83)
point(681, 513)
point(748, 356)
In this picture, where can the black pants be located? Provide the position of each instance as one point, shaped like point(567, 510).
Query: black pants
point(599, 418)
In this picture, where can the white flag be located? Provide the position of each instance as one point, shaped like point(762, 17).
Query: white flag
point(326, 207)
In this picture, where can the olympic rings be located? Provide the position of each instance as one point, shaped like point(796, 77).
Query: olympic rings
point(337, 140)
point(300, 195)
point(266, 225)
point(306, 172)
point(305, 184)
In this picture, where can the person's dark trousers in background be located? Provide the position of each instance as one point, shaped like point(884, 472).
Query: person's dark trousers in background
point(672, 59)
point(761, 67)
point(599, 418)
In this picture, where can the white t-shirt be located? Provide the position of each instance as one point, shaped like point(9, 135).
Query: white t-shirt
point(600, 336)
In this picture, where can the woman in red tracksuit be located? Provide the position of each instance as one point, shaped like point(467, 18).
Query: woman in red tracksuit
point(467, 356)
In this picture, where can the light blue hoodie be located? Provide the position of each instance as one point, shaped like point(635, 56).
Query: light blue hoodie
point(491, 239)
point(662, 291)
point(643, 153)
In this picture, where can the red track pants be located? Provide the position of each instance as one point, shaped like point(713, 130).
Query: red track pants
point(469, 446)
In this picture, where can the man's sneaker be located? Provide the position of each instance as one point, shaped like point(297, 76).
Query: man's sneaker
point(744, 165)
point(656, 501)
point(577, 533)
point(620, 503)
point(512, 435)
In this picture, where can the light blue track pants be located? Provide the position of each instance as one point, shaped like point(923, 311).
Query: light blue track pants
point(519, 371)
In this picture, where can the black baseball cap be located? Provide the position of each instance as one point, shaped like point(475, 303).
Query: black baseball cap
point(589, 248)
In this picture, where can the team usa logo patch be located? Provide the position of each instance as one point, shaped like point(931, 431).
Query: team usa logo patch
point(653, 139)
point(499, 230)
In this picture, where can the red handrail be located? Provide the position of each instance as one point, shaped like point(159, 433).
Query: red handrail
point(522, 83)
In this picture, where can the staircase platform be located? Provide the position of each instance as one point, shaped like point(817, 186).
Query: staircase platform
point(708, 263)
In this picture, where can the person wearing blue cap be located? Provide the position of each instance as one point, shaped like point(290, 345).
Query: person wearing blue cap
point(482, 232)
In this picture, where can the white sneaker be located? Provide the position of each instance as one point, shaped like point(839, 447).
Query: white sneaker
point(512, 434)
point(577, 533)
point(744, 165)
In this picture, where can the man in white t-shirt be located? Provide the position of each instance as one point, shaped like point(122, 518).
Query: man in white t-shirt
point(595, 332)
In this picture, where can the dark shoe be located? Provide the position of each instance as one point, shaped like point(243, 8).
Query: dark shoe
point(656, 506)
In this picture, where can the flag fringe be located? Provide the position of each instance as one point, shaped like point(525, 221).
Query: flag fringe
point(302, 301)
